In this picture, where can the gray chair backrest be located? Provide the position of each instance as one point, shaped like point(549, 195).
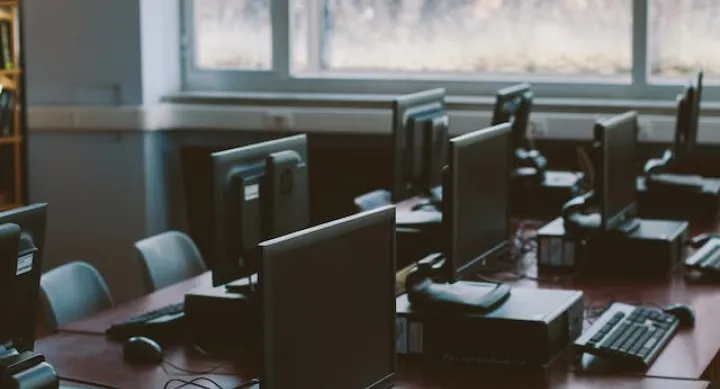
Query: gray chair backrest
point(168, 258)
point(372, 200)
point(71, 292)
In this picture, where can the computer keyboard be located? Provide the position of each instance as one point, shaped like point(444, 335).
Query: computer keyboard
point(161, 321)
point(632, 336)
point(706, 259)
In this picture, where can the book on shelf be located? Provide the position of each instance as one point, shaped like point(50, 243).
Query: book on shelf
point(6, 58)
point(7, 110)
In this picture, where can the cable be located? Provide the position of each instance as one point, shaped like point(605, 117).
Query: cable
point(84, 382)
point(194, 382)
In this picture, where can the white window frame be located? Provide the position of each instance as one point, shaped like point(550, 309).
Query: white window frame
point(637, 86)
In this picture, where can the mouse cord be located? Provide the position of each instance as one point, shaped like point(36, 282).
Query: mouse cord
point(194, 382)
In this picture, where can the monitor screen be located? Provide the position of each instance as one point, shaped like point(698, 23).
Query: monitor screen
point(476, 202)
point(617, 138)
point(404, 151)
point(260, 192)
point(20, 279)
point(329, 304)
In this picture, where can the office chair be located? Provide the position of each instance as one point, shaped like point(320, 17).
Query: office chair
point(71, 292)
point(168, 258)
point(372, 200)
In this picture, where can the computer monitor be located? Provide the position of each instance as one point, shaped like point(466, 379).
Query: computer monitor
point(429, 152)
point(615, 182)
point(686, 127)
point(686, 133)
point(260, 192)
point(20, 274)
point(409, 139)
point(513, 104)
point(329, 304)
point(476, 209)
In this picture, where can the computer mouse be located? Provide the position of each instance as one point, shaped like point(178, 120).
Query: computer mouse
point(683, 312)
point(142, 351)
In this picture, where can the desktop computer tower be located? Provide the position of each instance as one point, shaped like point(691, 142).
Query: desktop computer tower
point(529, 330)
point(654, 248)
point(546, 199)
point(221, 322)
point(702, 206)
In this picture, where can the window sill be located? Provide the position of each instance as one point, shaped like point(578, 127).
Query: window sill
point(562, 119)
point(459, 103)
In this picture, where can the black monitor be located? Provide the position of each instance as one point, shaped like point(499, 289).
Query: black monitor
point(329, 304)
point(429, 152)
point(412, 114)
point(476, 209)
point(22, 230)
point(513, 104)
point(260, 192)
point(686, 132)
point(616, 177)
point(476, 221)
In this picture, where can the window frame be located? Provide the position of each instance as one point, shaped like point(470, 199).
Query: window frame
point(637, 86)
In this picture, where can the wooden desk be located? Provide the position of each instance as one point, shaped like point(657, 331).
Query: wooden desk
point(80, 351)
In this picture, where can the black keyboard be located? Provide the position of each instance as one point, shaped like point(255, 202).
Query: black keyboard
point(706, 259)
point(632, 336)
point(151, 324)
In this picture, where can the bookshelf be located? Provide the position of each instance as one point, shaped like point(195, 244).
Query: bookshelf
point(13, 129)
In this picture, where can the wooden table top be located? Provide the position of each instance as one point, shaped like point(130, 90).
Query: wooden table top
point(80, 350)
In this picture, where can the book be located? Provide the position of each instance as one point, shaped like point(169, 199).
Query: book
point(7, 110)
point(5, 44)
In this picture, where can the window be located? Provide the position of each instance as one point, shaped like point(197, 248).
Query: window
point(232, 34)
point(565, 48)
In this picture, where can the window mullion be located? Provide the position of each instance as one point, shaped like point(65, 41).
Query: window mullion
point(280, 21)
point(315, 22)
point(640, 66)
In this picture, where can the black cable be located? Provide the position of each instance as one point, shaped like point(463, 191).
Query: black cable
point(84, 382)
point(194, 382)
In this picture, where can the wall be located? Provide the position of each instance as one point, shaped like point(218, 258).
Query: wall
point(106, 189)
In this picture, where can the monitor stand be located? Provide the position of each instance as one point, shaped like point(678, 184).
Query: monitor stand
point(425, 293)
point(26, 370)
